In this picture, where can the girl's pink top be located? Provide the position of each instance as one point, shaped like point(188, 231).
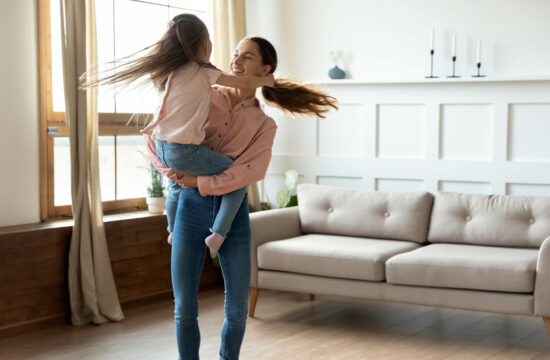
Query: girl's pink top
point(185, 105)
point(243, 132)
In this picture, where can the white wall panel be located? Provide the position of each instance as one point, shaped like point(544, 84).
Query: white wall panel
point(401, 129)
point(528, 189)
point(342, 132)
point(466, 132)
point(470, 187)
point(343, 182)
point(399, 185)
point(529, 132)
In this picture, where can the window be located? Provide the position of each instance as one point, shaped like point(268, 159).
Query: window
point(123, 27)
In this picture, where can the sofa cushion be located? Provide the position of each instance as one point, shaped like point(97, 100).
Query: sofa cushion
point(330, 255)
point(497, 220)
point(381, 215)
point(465, 267)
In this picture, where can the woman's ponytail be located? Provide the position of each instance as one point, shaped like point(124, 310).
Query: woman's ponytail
point(289, 95)
point(293, 97)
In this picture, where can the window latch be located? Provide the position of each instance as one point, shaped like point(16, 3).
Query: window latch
point(53, 130)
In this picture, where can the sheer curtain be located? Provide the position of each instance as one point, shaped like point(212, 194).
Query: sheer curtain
point(92, 290)
point(229, 29)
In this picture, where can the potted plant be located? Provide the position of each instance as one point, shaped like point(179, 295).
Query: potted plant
point(155, 199)
point(287, 197)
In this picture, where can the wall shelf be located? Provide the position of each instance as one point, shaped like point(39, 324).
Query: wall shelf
point(441, 80)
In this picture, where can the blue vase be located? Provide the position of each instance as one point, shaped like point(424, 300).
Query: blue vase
point(336, 73)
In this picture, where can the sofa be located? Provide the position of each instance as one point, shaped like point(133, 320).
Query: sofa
point(464, 251)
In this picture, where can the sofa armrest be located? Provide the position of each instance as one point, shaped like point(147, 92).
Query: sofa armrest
point(542, 280)
point(269, 225)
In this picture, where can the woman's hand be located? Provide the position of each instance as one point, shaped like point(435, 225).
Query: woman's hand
point(187, 181)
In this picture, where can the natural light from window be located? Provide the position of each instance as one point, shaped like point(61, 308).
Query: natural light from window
point(123, 27)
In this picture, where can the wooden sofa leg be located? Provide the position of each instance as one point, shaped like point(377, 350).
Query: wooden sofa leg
point(311, 297)
point(254, 292)
point(547, 323)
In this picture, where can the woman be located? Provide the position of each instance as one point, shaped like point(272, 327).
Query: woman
point(238, 128)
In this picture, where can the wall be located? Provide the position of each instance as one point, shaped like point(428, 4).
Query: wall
point(390, 39)
point(368, 144)
point(33, 281)
point(19, 182)
point(470, 136)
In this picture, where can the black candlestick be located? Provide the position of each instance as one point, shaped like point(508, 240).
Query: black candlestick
point(478, 69)
point(431, 65)
point(453, 75)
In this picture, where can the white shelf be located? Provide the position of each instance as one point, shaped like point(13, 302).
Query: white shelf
point(440, 80)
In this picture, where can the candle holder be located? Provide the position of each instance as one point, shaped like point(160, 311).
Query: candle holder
point(431, 76)
point(453, 75)
point(478, 70)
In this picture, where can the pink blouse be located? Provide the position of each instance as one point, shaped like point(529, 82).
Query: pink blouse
point(243, 132)
point(185, 105)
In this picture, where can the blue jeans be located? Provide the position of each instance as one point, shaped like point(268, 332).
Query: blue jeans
point(198, 160)
point(194, 216)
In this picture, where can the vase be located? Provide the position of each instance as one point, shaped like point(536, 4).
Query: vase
point(336, 73)
point(155, 205)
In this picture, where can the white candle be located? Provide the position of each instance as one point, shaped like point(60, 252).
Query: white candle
point(432, 38)
point(454, 45)
point(478, 58)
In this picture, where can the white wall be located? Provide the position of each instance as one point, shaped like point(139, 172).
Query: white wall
point(390, 38)
point(19, 182)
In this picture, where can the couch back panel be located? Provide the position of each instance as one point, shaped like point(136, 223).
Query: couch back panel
point(373, 214)
point(499, 220)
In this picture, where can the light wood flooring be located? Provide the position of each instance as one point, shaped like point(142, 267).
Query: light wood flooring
point(290, 326)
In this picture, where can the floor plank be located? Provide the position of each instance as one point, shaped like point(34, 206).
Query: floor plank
point(290, 326)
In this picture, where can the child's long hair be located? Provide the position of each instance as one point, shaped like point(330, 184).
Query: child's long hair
point(289, 95)
point(180, 44)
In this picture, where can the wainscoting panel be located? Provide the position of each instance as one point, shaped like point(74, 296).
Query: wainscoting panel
point(466, 132)
point(400, 131)
point(399, 185)
point(343, 182)
point(529, 132)
point(486, 136)
point(469, 187)
point(341, 134)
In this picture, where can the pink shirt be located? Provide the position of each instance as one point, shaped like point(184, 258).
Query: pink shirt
point(244, 133)
point(185, 105)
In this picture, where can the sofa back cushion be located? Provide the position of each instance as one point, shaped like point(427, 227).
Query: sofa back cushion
point(383, 215)
point(498, 220)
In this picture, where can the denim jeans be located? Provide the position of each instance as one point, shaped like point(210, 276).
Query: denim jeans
point(194, 216)
point(198, 160)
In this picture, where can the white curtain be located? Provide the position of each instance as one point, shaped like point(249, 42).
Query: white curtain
point(229, 29)
point(92, 290)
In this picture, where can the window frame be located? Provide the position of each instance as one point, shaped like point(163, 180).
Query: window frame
point(112, 124)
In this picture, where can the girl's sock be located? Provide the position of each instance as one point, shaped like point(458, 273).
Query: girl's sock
point(169, 240)
point(214, 241)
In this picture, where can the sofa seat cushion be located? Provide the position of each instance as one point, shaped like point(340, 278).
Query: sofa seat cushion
point(332, 256)
point(465, 267)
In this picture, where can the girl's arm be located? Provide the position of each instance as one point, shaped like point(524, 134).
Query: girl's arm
point(248, 82)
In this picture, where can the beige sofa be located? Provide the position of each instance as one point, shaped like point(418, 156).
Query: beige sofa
point(476, 252)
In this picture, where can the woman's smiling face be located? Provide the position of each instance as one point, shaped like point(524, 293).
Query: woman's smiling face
point(247, 60)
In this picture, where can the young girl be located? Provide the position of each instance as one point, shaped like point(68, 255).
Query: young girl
point(186, 79)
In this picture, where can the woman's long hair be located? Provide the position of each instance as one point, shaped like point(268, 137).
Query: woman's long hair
point(180, 44)
point(289, 95)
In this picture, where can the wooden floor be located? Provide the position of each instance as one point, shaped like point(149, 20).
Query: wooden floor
point(290, 326)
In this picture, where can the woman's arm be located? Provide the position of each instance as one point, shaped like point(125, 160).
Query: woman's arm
point(249, 167)
point(248, 82)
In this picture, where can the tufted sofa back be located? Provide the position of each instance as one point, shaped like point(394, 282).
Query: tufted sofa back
point(383, 215)
point(499, 220)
